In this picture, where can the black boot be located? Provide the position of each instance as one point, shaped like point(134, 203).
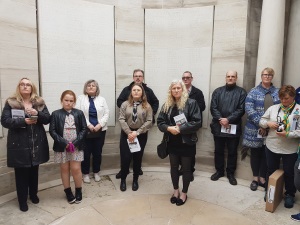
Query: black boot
point(123, 185)
point(70, 197)
point(135, 185)
point(78, 195)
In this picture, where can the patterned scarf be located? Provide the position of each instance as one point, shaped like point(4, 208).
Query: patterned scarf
point(134, 112)
point(287, 111)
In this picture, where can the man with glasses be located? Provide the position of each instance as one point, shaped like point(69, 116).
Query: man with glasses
point(227, 108)
point(138, 78)
point(194, 93)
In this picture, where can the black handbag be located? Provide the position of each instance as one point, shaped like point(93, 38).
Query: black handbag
point(162, 149)
point(94, 134)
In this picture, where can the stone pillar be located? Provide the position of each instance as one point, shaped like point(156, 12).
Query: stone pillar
point(291, 61)
point(271, 39)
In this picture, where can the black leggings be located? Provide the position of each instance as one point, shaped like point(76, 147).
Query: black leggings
point(186, 163)
point(258, 162)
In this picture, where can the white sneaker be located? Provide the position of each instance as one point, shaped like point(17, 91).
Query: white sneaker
point(86, 178)
point(97, 177)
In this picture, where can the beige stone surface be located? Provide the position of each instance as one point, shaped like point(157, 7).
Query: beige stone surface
point(209, 202)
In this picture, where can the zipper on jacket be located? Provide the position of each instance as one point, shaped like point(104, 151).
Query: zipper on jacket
point(33, 154)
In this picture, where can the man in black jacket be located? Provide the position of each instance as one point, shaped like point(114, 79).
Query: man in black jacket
point(194, 93)
point(138, 78)
point(227, 108)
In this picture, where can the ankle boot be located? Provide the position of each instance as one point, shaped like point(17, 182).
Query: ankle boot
point(78, 195)
point(70, 197)
point(123, 185)
point(135, 185)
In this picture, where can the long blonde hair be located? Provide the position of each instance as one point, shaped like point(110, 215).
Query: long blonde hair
point(171, 101)
point(145, 103)
point(33, 94)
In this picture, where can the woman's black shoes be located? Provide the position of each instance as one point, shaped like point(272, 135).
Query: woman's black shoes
point(34, 199)
point(254, 185)
point(23, 207)
point(123, 185)
point(173, 199)
point(135, 185)
point(180, 201)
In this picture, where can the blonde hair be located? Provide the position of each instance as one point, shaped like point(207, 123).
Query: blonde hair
point(145, 104)
point(171, 101)
point(33, 94)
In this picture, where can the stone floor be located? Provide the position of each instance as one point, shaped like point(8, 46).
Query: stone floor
point(209, 202)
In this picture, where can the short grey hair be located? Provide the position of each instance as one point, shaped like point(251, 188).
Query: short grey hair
point(96, 84)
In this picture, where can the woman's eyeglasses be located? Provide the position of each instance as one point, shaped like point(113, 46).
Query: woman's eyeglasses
point(267, 75)
point(25, 85)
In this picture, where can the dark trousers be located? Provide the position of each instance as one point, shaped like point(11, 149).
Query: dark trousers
point(27, 179)
point(126, 155)
point(232, 144)
point(93, 146)
point(288, 162)
point(297, 174)
point(186, 165)
point(258, 162)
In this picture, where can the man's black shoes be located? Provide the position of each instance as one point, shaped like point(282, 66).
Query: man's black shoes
point(216, 176)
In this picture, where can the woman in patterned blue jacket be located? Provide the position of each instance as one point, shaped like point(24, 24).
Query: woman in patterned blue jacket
point(258, 100)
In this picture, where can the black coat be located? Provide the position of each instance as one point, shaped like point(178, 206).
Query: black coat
point(151, 98)
point(188, 130)
point(27, 145)
point(197, 94)
point(56, 129)
point(227, 102)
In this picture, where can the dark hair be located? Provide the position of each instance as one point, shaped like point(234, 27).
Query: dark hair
point(138, 70)
point(67, 92)
point(287, 89)
point(143, 97)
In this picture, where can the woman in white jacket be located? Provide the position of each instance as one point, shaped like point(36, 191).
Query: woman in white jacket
point(283, 123)
point(96, 113)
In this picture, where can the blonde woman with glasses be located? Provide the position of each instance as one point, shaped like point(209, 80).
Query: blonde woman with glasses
point(24, 115)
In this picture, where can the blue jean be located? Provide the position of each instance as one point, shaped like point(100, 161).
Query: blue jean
point(288, 162)
point(232, 145)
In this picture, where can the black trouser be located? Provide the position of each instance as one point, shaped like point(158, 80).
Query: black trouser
point(232, 144)
point(186, 163)
point(93, 146)
point(258, 162)
point(288, 162)
point(126, 155)
point(27, 179)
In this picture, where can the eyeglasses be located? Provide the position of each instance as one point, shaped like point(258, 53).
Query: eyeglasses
point(186, 78)
point(267, 75)
point(137, 76)
point(25, 85)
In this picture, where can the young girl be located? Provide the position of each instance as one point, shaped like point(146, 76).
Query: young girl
point(68, 128)
point(135, 119)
